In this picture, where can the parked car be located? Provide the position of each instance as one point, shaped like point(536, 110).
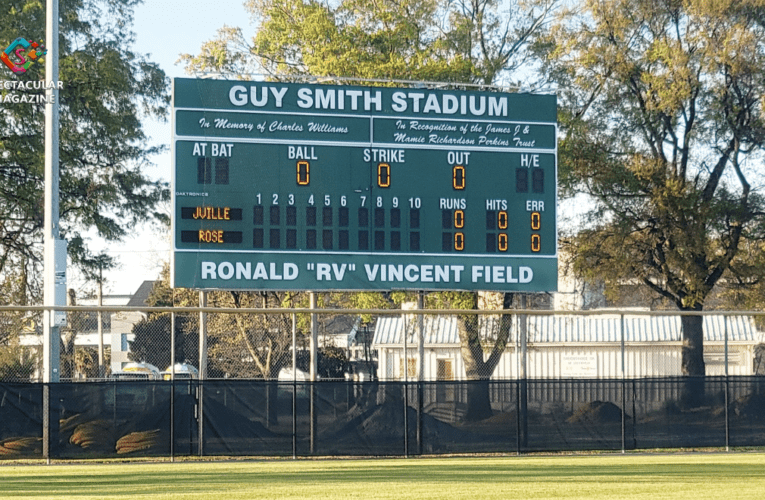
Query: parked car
point(137, 371)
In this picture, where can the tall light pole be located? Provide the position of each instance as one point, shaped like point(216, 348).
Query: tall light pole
point(51, 230)
point(54, 292)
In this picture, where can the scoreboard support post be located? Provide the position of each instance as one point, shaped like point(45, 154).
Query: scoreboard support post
point(202, 370)
point(313, 369)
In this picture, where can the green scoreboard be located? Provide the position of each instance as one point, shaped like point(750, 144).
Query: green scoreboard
point(316, 187)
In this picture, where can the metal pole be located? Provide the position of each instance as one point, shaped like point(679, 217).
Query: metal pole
point(523, 396)
point(51, 337)
point(727, 388)
point(421, 337)
point(314, 363)
point(294, 386)
point(172, 385)
point(624, 401)
point(172, 346)
point(101, 368)
point(420, 368)
point(406, 391)
point(202, 337)
point(202, 370)
point(314, 338)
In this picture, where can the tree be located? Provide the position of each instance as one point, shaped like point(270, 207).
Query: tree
point(240, 345)
point(107, 90)
point(151, 343)
point(258, 346)
point(468, 41)
point(482, 343)
point(663, 130)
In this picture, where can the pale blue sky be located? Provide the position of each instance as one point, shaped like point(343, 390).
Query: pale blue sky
point(165, 29)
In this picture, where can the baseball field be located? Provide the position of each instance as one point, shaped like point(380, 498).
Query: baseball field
point(695, 476)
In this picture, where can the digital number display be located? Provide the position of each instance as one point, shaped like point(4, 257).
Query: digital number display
point(458, 177)
point(303, 173)
point(383, 175)
point(280, 180)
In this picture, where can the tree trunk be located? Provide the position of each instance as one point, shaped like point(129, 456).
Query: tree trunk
point(693, 361)
point(272, 398)
point(693, 346)
point(478, 400)
point(478, 370)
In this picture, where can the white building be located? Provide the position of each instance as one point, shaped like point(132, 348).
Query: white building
point(570, 346)
point(117, 326)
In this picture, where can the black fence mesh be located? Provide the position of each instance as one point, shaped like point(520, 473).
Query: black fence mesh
point(270, 418)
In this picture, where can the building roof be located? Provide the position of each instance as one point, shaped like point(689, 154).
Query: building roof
point(550, 329)
point(141, 295)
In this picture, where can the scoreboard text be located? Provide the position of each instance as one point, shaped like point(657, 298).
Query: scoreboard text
point(311, 187)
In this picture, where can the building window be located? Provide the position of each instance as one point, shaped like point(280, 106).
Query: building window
point(444, 369)
point(412, 372)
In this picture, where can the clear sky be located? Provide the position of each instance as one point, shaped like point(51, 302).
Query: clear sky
point(164, 30)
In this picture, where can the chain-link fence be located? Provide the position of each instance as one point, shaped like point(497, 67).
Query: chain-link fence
point(304, 382)
point(405, 345)
point(120, 418)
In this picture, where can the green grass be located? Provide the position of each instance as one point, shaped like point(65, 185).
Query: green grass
point(678, 476)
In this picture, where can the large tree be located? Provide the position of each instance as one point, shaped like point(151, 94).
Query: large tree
point(107, 91)
point(662, 115)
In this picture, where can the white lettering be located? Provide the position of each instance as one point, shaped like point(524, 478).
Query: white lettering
point(225, 270)
point(260, 272)
point(279, 95)
point(371, 271)
point(290, 271)
point(399, 102)
point(238, 95)
point(323, 272)
point(305, 98)
point(412, 273)
point(525, 274)
point(273, 274)
point(243, 270)
point(208, 271)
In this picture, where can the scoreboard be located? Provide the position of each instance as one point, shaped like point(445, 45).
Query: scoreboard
point(315, 187)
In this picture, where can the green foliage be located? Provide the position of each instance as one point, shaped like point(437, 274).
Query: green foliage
point(151, 343)
point(107, 90)
point(333, 363)
point(663, 124)
point(370, 300)
point(663, 129)
point(427, 40)
point(15, 363)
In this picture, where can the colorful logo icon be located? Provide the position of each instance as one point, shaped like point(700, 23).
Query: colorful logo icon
point(22, 53)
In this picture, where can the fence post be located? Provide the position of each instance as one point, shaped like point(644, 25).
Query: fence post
point(100, 325)
point(294, 386)
point(406, 391)
point(727, 388)
point(202, 369)
point(420, 368)
point(523, 417)
point(624, 388)
point(172, 385)
point(314, 363)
